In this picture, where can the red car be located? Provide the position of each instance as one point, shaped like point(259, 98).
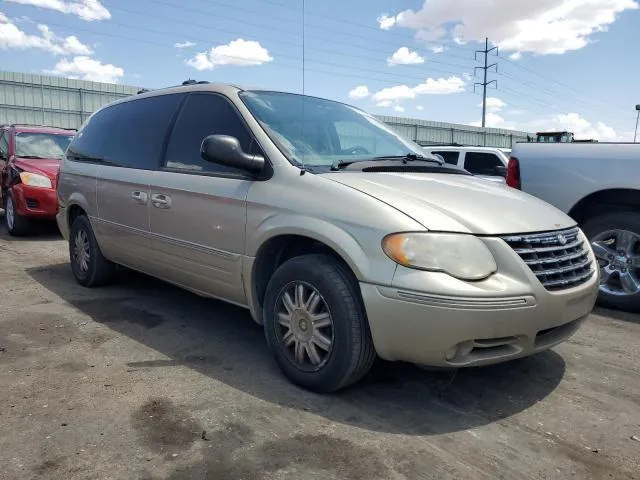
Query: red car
point(29, 164)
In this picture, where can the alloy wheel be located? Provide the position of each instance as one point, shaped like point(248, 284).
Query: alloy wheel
point(305, 325)
point(618, 254)
point(10, 213)
point(81, 254)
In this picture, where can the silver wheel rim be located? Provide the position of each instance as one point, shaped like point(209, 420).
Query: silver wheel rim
point(305, 325)
point(81, 254)
point(618, 254)
point(10, 213)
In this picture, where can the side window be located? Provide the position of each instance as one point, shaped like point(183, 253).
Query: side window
point(4, 144)
point(129, 134)
point(204, 114)
point(482, 163)
point(449, 157)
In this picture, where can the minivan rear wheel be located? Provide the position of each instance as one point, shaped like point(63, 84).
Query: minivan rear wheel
point(89, 266)
point(315, 324)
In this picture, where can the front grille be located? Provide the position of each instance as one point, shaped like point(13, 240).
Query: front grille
point(559, 259)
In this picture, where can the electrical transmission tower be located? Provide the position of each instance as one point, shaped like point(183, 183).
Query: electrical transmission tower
point(484, 83)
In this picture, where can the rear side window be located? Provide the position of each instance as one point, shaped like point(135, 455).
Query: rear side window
point(449, 157)
point(204, 114)
point(129, 134)
point(480, 163)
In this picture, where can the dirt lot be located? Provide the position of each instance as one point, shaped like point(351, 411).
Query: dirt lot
point(144, 381)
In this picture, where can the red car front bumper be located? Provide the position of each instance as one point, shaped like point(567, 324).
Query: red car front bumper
point(35, 202)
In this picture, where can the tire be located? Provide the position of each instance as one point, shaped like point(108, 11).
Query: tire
point(17, 225)
point(95, 270)
point(595, 229)
point(351, 354)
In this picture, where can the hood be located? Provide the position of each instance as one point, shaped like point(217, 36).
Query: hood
point(48, 167)
point(458, 203)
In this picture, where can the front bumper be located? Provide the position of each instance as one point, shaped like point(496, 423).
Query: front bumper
point(35, 202)
point(507, 316)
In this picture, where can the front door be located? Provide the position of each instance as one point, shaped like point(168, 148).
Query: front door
point(198, 208)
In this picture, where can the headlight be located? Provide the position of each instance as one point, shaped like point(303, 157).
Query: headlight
point(35, 180)
point(462, 256)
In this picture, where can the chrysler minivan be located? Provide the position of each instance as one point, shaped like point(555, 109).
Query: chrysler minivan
point(343, 239)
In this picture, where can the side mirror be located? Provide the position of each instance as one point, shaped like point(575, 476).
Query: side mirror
point(226, 150)
point(502, 171)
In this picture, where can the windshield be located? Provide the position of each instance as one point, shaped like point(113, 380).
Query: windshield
point(317, 133)
point(41, 145)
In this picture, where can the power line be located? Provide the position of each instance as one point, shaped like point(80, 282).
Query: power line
point(484, 83)
point(332, 52)
point(566, 87)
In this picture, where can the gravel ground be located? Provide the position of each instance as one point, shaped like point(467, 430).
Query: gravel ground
point(144, 381)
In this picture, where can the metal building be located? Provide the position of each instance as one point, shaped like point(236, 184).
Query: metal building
point(426, 132)
point(63, 102)
point(55, 101)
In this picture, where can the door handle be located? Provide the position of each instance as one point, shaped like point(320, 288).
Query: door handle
point(160, 200)
point(140, 197)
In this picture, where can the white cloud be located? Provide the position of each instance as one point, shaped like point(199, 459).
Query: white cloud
point(541, 27)
point(87, 68)
point(404, 56)
point(186, 44)
point(466, 76)
point(494, 104)
point(361, 91)
point(390, 96)
point(493, 120)
point(386, 22)
point(399, 108)
point(420, 107)
point(441, 86)
point(515, 56)
point(394, 94)
point(237, 52)
point(437, 49)
point(581, 127)
point(12, 37)
point(88, 10)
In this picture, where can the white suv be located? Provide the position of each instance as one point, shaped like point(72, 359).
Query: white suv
point(486, 162)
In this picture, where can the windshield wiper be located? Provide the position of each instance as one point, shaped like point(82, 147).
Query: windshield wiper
point(33, 156)
point(409, 157)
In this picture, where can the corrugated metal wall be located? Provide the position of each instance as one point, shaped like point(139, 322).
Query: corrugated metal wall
point(55, 101)
point(427, 132)
point(64, 102)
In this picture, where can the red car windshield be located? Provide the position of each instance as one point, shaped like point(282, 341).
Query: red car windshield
point(41, 145)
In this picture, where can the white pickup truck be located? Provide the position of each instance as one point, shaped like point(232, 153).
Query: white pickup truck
point(598, 185)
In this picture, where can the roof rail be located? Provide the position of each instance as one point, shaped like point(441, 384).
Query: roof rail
point(194, 82)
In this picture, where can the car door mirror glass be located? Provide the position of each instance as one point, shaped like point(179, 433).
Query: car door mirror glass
point(226, 150)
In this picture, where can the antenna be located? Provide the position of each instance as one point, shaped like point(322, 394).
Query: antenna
point(302, 170)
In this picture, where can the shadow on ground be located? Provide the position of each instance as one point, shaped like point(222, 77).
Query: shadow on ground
point(631, 317)
point(222, 342)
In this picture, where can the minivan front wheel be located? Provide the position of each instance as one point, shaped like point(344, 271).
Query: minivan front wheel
point(89, 266)
point(315, 324)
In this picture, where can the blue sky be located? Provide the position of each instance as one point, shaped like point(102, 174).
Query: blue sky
point(570, 64)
